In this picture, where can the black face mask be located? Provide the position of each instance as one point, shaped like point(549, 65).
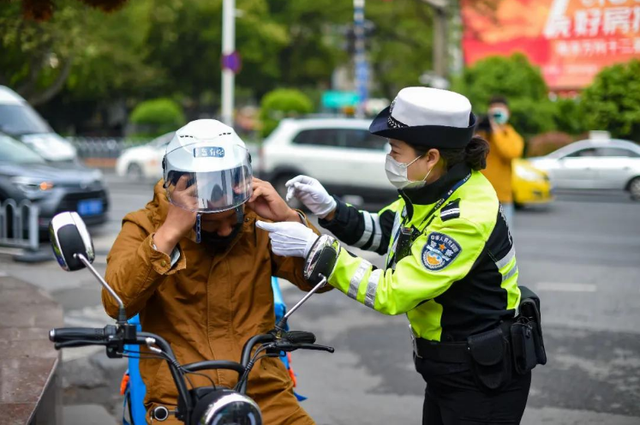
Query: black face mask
point(221, 243)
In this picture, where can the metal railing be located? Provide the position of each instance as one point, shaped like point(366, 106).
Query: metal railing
point(103, 147)
point(13, 217)
point(112, 147)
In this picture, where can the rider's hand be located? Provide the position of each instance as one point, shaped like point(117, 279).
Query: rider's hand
point(179, 221)
point(289, 239)
point(312, 194)
point(266, 202)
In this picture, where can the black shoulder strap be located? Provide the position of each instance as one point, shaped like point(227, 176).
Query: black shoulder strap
point(451, 210)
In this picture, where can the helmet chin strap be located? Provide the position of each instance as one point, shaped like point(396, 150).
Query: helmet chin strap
point(198, 226)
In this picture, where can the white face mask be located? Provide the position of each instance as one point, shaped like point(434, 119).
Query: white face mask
point(397, 174)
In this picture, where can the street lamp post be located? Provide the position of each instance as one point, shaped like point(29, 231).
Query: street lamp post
point(228, 48)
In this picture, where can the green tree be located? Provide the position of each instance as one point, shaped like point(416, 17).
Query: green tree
point(612, 102)
point(80, 50)
point(513, 77)
point(314, 45)
point(401, 45)
point(516, 79)
point(156, 117)
point(282, 103)
point(569, 116)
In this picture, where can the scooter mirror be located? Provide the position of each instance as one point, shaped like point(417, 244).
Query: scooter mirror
point(69, 239)
point(321, 259)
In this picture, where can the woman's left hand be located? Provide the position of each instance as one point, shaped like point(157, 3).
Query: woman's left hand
point(266, 202)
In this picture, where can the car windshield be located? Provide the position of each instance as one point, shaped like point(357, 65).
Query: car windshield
point(21, 119)
point(15, 152)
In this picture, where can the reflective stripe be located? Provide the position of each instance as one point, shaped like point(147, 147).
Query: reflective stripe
point(507, 258)
point(377, 233)
point(449, 212)
point(372, 287)
point(511, 272)
point(354, 283)
point(368, 228)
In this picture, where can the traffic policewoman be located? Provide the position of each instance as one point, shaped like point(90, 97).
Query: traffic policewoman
point(450, 265)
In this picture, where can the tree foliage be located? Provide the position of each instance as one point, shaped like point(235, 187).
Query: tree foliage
point(282, 103)
point(612, 102)
point(516, 79)
point(81, 50)
point(157, 116)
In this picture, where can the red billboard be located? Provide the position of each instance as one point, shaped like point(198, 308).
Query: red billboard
point(571, 40)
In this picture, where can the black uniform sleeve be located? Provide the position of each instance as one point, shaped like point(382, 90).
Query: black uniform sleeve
point(362, 229)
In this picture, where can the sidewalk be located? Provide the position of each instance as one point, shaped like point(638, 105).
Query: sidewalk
point(90, 382)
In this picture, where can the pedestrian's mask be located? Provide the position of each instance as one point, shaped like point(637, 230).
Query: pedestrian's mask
point(500, 116)
point(397, 174)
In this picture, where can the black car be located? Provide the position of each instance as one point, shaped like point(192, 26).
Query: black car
point(25, 175)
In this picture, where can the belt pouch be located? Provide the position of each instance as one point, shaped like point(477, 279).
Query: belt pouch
point(529, 309)
point(523, 345)
point(490, 359)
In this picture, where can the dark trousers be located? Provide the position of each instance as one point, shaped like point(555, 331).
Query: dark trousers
point(452, 397)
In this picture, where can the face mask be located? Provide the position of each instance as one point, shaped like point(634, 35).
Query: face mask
point(397, 174)
point(500, 116)
point(220, 243)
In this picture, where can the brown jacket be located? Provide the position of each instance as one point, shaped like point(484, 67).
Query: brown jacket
point(206, 306)
point(506, 145)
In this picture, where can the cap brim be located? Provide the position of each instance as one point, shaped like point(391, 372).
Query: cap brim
point(433, 136)
point(380, 123)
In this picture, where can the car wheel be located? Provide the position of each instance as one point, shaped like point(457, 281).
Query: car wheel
point(134, 171)
point(280, 186)
point(634, 188)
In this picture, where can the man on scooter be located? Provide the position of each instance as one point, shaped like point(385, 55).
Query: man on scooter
point(195, 269)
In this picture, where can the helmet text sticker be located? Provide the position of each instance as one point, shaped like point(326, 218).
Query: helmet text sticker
point(208, 152)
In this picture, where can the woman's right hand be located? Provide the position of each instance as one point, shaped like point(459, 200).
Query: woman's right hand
point(179, 221)
point(312, 194)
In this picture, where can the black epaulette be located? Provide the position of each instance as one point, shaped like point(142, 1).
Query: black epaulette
point(451, 210)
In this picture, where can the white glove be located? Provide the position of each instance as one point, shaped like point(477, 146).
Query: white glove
point(289, 239)
point(312, 194)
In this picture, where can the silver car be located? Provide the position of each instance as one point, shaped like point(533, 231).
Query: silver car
point(594, 164)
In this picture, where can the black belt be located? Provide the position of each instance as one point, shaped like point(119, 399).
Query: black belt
point(450, 352)
point(444, 352)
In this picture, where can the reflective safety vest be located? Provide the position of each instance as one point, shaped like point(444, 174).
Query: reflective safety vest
point(450, 265)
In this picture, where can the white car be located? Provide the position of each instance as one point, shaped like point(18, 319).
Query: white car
point(594, 164)
point(144, 162)
point(339, 152)
point(20, 120)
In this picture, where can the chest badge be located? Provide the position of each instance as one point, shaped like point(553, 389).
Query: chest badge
point(439, 251)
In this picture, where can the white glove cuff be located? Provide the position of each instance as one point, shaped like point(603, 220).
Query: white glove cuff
point(310, 242)
point(330, 206)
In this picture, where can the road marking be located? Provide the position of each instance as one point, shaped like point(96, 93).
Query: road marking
point(566, 287)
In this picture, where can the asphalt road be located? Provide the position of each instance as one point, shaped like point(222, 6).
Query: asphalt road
point(581, 254)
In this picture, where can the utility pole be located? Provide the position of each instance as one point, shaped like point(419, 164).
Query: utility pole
point(440, 36)
point(360, 59)
point(228, 48)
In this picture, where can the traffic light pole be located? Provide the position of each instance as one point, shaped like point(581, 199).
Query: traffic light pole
point(228, 47)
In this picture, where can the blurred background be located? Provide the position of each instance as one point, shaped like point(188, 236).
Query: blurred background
point(91, 91)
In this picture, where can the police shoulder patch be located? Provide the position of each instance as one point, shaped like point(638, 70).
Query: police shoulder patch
point(451, 210)
point(439, 251)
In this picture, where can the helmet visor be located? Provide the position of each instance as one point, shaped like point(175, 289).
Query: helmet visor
point(210, 191)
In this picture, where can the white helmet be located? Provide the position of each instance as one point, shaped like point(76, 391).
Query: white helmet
point(207, 168)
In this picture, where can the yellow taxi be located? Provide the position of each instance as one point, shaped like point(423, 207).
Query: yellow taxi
point(530, 184)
